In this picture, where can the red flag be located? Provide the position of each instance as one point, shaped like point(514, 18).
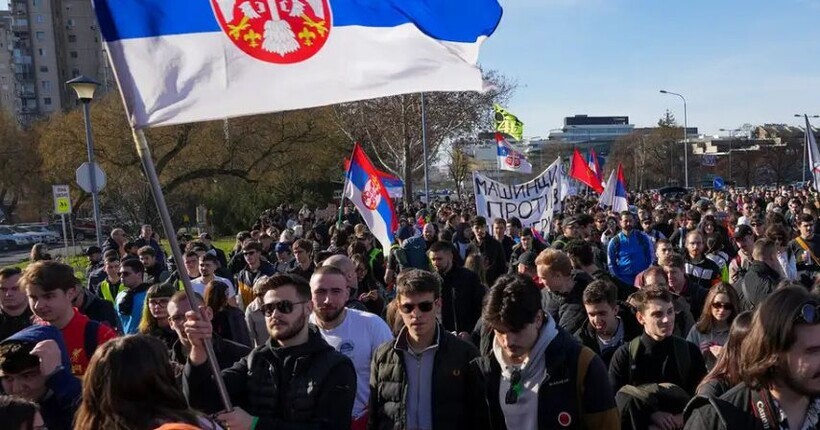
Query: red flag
point(580, 171)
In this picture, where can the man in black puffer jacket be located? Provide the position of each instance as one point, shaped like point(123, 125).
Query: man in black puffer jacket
point(762, 277)
point(562, 296)
point(423, 379)
point(295, 380)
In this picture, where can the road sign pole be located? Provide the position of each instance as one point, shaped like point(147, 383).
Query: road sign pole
point(65, 238)
point(89, 139)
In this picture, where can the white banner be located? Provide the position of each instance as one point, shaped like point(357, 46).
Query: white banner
point(532, 202)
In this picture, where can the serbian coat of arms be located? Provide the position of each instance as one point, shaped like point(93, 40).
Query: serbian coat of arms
point(275, 31)
point(371, 194)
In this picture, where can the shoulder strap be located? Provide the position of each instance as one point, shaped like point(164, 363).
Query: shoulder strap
point(682, 358)
point(634, 344)
point(92, 329)
point(585, 357)
point(806, 248)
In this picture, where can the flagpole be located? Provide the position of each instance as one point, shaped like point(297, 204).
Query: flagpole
point(424, 146)
point(344, 187)
point(144, 153)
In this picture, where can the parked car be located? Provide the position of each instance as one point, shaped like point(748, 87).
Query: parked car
point(49, 236)
point(36, 237)
point(20, 240)
point(7, 245)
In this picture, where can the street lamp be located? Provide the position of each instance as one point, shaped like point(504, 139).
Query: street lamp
point(806, 146)
point(85, 87)
point(685, 137)
point(731, 138)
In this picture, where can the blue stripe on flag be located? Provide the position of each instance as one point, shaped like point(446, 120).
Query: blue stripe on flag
point(450, 20)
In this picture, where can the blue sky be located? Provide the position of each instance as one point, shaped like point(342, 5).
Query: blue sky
point(736, 62)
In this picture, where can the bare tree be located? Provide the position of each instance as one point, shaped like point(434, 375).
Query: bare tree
point(460, 165)
point(390, 128)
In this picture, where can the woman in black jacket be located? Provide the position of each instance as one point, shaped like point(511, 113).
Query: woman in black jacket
point(228, 321)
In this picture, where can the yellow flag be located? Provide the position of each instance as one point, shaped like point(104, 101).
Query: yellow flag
point(508, 123)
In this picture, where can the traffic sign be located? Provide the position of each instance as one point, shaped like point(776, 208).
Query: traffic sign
point(718, 183)
point(62, 199)
point(84, 177)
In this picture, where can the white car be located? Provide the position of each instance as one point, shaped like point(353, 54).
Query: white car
point(20, 240)
point(35, 237)
point(48, 235)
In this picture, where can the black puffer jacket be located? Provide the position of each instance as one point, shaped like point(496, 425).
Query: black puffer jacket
point(568, 309)
point(760, 281)
point(462, 296)
point(307, 386)
point(457, 391)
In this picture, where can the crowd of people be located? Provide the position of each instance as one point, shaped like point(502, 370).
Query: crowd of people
point(696, 311)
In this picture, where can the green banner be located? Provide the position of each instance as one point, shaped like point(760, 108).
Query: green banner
point(507, 123)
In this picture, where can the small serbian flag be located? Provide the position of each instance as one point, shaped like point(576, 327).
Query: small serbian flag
point(394, 185)
point(367, 192)
point(510, 159)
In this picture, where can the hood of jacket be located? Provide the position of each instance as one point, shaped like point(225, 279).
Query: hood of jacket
point(38, 333)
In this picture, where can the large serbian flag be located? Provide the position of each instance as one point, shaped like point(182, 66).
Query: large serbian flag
point(367, 192)
point(394, 185)
point(181, 61)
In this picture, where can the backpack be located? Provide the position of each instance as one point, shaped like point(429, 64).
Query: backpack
point(92, 329)
point(413, 253)
point(679, 347)
point(643, 240)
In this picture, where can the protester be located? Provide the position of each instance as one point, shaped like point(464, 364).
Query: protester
point(608, 325)
point(762, 277)
point(353, 333)
point(228, 321)
point(129, 303)
point(461, 291)
point(422, 380)
point(495, 261)
point(20, 413)
point(154, 270)
point(130, 385)
point(779, 367)
point(154, 320)
point(208, 265)
point(711, 331)
point(15, 314)
point(629, 252)
point(562, 296)
point(268, 389)
point(542, 374)
point(51, 286)
point(255, 267)
point(725, 374)
point(111, 284)
point(35, 365)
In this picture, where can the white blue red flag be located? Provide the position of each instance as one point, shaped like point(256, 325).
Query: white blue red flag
point(367, 192)
point(595, 166)
point(614, 194)
point(394, 185)
point(509, 158)
point(814, 155)
point(181, 61)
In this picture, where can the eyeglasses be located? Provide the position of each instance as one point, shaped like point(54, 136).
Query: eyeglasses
point(283, 307)
point(722, 305)
point(515, 387)
point(808, 313)
point(409, 307)
point(159, 302)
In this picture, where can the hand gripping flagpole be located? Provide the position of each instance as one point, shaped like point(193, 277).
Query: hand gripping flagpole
point(151, 173)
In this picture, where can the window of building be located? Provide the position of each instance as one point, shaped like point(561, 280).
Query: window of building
point(75, 73)
point(47, 101)
point(70, 22)
point(72, 38)
point(46, 85)
point(73, 54)
point(40, 35)
point(35, 3)
point(41, 52)
point(40, 19)
point(43, 69)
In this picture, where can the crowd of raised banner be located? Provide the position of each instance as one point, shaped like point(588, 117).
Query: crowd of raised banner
point(696, 311)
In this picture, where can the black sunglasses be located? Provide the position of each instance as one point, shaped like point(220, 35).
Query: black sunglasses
point(515, 387)
point(423, 306)
point(808, 313)
point(721, 305)
point(283, 307)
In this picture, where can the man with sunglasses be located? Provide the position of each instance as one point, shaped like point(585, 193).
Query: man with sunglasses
point(354, 333)
point(295, 380)
point(256, 267)
point(423, 380)
point(531, 378)
point(780, 369)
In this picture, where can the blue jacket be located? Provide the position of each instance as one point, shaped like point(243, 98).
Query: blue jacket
point(64, 390)
point(628, 256)
point(130, 323)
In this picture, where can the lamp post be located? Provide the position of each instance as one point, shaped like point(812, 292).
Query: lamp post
point(806, 145)
point(685, 137)
point(85, 87)
point(731, 138)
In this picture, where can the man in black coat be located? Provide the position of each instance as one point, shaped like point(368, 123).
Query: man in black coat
point(762, 277)
point(295, 380)
point(563, 289)
point(462, 292)
point(491, 250)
